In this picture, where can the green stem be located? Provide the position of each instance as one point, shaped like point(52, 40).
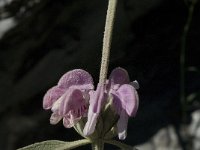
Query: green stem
point(182, 59)
point(107, 40)
point(98, 145)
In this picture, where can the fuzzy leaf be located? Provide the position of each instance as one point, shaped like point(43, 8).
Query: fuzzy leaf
point(45, 145)
point(56, 145)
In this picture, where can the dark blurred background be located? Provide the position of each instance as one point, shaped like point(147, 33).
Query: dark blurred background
point(40, 40)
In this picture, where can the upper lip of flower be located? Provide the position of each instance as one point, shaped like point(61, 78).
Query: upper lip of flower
point(76, 79)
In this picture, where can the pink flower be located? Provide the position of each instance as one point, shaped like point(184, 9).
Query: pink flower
point(97, 99)
point(124, 98)
point(69, 98)
point(74, 97)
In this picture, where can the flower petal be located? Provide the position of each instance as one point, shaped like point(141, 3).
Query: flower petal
point(76, 78)
point(56, 105)
point(129, 98)
point(136, 103)
point(97, 99)
point(55, 118)
point(66, 123)
point(90, 124)
point(122, 125)
point(118, 77)
point(51, 96)
point(70, 120)
point(117, 103)
point(72, 100)
point(135, 84)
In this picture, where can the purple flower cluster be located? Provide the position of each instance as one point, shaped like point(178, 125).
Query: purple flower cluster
point(74, 97)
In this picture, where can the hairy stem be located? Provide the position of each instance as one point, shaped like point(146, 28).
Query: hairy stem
point(107, 40)
point(98, 145)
